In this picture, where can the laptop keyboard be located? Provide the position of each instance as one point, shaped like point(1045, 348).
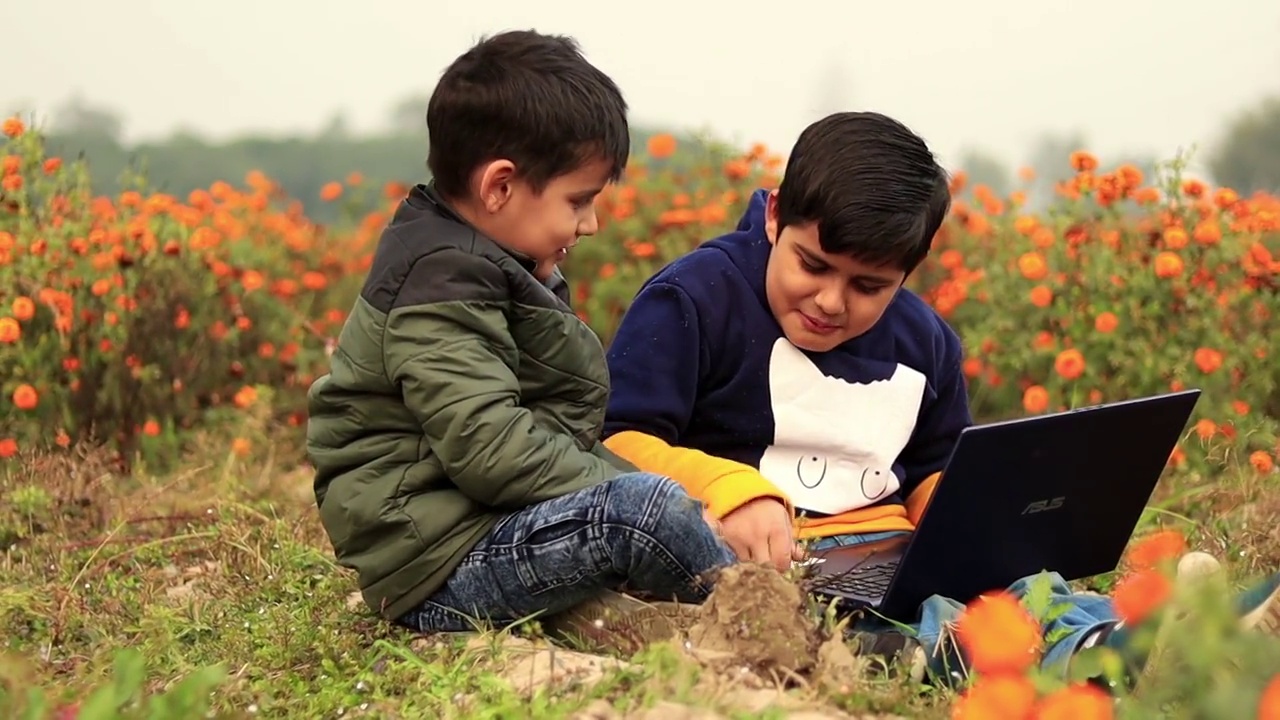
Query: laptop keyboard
point(866, 581)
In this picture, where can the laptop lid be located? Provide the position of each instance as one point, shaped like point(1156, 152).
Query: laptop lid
point(1061, 492)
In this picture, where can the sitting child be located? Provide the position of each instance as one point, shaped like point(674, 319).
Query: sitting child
point(793, 336)
point(456, 439)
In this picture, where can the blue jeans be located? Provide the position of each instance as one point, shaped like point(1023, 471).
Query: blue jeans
point(639, 532)
point(1085, 615)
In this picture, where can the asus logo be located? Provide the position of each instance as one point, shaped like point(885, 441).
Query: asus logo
point(1040, 506)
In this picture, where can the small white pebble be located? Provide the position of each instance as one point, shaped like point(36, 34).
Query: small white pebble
point(364, 706)
point(252, 709)
point(360, 686)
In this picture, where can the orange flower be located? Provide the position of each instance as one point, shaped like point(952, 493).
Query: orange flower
point(151, 428)
point(8, 448)
point(1158, 547)
point(1035, 399)
point(1261, 461)
point(661, 146)
point(996, 696)
point(1106, 323)
point(1175, 238)
point(245, 397)
point(1082, 161)
point(241, 446)
point(1041, 296)
point(24, 308)
point(1208, 232)
point(1141, 593)
point(1069, 364)
point(1208, 360)
point(972, 367)
point(1032, 266)
point(331, 191)
point(13, 127)
point(1206, 428)
point(1168, 265)
point(644, 250)
point(999, 635)
point(10, 330)
point(25, 397)
point(1081, 701)
point(1268, 704)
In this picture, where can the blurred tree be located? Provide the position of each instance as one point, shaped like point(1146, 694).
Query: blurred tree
point(1050, 158)
point(409, 115)
point(984, 168)
point(78, 116)
point(1248, 156)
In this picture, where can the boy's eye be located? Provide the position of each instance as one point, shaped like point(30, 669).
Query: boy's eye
point(812, 267)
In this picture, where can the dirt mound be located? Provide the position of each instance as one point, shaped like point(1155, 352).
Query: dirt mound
point(757, 616)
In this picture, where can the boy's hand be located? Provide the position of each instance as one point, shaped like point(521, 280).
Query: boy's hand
point(760, 531)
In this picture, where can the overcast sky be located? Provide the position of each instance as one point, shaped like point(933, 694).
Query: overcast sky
point(1134, 75)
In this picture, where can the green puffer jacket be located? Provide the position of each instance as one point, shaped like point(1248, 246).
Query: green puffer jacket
point(461, 389)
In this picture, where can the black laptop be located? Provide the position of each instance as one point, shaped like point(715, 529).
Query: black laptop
point(1061, 492)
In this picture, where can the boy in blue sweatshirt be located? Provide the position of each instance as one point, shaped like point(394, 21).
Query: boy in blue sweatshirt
point(783, 370)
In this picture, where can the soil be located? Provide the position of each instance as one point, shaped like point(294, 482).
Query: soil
point(750, 644)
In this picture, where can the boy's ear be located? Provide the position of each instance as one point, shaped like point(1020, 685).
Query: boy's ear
point(771, 217)
point(496, 184)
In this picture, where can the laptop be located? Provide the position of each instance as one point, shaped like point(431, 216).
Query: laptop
point(1060, 492)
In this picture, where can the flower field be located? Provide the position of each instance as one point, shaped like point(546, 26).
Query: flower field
point(134, 322)
point(127, 319)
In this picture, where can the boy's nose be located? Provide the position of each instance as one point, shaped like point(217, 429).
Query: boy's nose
point(831, 302)
point(590, 225)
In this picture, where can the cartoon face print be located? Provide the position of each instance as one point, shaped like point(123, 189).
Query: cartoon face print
point(835, 442)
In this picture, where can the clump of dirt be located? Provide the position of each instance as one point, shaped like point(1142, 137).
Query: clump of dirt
point(757, 616)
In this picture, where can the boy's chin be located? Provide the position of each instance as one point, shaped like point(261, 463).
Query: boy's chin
point(813, 342)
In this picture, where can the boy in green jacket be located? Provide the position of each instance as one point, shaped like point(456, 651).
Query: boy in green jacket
point(456, 438)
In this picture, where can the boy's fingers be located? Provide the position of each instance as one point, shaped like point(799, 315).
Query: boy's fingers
point(798, 552)
point(780, 547)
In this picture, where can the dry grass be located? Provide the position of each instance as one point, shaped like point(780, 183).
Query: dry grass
point(225, 564)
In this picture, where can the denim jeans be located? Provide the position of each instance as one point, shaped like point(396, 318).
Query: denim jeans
point(1084, 615)
point(639, 532)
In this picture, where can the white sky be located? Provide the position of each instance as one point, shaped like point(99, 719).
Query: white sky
point(1134, 75)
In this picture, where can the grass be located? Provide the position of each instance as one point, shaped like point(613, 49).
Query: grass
point(139, 582)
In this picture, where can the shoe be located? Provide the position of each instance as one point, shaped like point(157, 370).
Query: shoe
point(1259, 607)
point(1194, 568)
point(896, 649)
point(618, 623)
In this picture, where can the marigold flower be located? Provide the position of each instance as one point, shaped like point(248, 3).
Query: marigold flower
point(1076, 702)
point(1157, 548)
point(999, 635)
point(996, 697)
point(1140, 594)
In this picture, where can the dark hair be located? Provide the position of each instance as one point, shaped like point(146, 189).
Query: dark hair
point(872, 186)
point(530, 98)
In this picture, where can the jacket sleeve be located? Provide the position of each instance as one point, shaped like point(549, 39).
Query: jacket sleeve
point(939, 428)
point(655, 366)
point(450, 352)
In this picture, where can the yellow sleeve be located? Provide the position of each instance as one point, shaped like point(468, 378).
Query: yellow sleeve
point(919, 498)
point(722, 485)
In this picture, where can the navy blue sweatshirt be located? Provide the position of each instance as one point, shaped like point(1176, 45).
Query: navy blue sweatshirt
point(707, 390)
